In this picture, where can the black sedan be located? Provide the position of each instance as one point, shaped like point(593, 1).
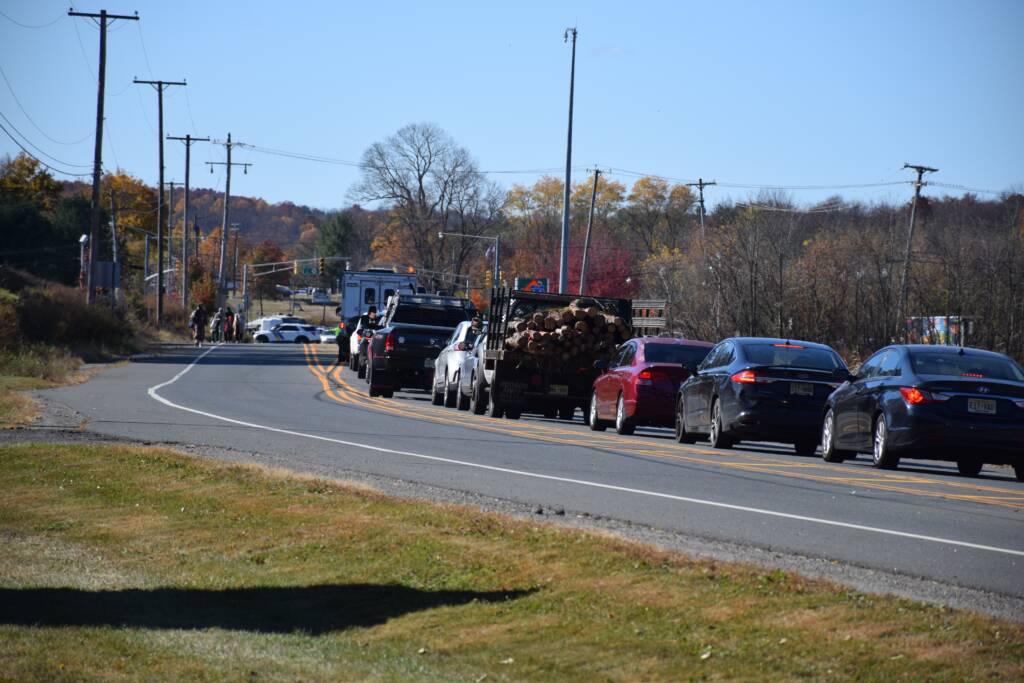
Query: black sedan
point(759, 389)
point(933, 402)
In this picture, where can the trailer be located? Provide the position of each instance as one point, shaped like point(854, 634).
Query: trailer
point(372, 287)
point(548, 371)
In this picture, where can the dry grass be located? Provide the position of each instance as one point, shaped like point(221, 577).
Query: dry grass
point(181, 569)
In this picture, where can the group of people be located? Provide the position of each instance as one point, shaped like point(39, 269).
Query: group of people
point(224, 325)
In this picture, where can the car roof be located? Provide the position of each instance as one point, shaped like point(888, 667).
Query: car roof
point(937, 348)
point(779, 340)
point(678, 341)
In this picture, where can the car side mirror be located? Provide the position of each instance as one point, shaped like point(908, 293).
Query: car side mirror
point(600, 365)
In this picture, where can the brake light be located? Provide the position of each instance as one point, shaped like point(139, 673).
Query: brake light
point(745, 377)
point(648, 376)
point(973, 375)
point(914, 396)
point(788, 346)
point(389, 342)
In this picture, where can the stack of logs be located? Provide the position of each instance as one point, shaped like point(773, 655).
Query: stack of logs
point(568, 332)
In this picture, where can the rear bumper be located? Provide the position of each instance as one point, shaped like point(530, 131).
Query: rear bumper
point(653, 407)
point(406, 370)
point(763, 421)
point(934, 438)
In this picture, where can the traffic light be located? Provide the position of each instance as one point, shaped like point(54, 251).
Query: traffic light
point(490, 278)
point(295, 267)
point(320, 266)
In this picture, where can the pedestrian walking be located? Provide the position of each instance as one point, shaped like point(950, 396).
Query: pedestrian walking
point(197, 323)
point(239, 331)
point(229, 325)
point(216, 325)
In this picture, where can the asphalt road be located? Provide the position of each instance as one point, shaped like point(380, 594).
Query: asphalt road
point(922, 520)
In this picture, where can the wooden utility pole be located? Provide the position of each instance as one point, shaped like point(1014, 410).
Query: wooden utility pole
point(590, 226)
point(700, 185)
point(227, 214)
point(103, 20)
point(905, 276)
point(563, 267)
point(159, 86)
point(188, 140)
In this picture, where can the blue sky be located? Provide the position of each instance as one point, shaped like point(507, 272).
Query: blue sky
point(761, 93)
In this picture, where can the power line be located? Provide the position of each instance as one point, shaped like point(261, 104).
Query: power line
point(34, 125)
point(52, 168)
point(962, 188)
point(38, 148)
point(18, 23)
point(145, 53)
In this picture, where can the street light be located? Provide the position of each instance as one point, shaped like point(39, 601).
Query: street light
point(497, 249)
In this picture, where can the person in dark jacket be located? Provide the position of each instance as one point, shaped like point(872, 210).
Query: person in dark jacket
point(197, 321)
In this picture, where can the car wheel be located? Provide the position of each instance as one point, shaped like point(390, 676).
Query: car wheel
point(882, 456)
point(462, 401)
point(353, 362)
point(829, 452)
point(477, 398)
point(969, 468)
point(717, 437)
point(1018, 471)
point(361, 369)
point(450, 398)
point(566, 412)
point(494, 409)
point(550, 413)
point(260, 340)
point(596, 423)
point(623, 424)
point(683, 436)
point(390, 393)
point(436, 397)
point(374, 391)
point(513, 413)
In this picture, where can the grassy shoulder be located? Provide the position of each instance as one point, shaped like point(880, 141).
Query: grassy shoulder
point(132, 563)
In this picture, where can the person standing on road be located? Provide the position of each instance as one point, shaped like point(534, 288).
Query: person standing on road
point(239, 331)
point(215, 325)
point(197, 321)
point(229, 325)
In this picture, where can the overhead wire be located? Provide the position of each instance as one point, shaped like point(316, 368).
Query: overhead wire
point(40, 149)
point(18, 23)
point(52, 168)
point(30, 120)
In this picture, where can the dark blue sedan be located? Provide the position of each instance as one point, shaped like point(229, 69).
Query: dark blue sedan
point(934, 402)
point(759, 389)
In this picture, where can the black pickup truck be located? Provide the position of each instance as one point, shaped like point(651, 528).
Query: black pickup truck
point(415, 328)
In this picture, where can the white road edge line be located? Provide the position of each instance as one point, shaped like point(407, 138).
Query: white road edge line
point(566, 480)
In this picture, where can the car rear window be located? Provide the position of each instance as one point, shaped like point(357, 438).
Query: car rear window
point(793, 356)
point(952, 364)
point(438, 316)
point(675, 353)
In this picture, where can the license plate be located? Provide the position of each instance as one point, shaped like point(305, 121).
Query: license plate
point(559, 389)
point(985, 406)
point(428, 363)
point(801, 389)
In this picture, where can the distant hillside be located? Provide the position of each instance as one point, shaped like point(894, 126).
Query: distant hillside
point(282, 222)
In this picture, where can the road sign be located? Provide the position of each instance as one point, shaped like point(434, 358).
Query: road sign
point(309, 270)
point(532, 284)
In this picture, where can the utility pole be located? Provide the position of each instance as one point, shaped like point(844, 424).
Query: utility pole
point(170, 224)
point(563, 267)
point(700, 185)
point(905, 277)
point(590, 225)
point(97, 160)
point(159, 86)
point(188, 140)
point(113, 243)
point(234, 261)
point(227, 214)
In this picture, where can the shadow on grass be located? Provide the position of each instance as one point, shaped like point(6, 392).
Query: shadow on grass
point(310, 609)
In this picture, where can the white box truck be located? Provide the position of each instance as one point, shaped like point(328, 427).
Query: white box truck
point(371, 287)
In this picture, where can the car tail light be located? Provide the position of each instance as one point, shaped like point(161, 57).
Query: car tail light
point(972, 375)
point(788, 346)
point(914, 396)
point(745, 377)
point(389, 342)
point(648, 376)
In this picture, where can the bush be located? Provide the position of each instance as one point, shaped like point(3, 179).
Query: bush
point(38, 360)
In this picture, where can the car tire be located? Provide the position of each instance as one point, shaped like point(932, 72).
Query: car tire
point(390, 393)
point(450, 394)
point(260, 339)
point(882, 455)
point(477, 399)
point(436, 397)
point(829, 452)
point(361, 370)
point(353, 362)
point(969, 468)
point(513, 413)
point(596, 423)
point(1018, 471)
point(683, 436)
point(623, 424)
point(566, 413)
point(550, 413)
point(494, 409)
point(717, 437)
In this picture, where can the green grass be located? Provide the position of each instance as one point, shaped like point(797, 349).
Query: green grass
point(142, 564)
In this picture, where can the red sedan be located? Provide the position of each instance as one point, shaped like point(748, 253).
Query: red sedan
point(638, 386)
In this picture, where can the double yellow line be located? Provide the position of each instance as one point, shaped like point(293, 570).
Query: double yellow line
point(338, 389)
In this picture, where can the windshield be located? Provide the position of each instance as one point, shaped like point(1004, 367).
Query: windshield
point(675, 353)
point(793, 356)
point(437, 316)
point(952, 364)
